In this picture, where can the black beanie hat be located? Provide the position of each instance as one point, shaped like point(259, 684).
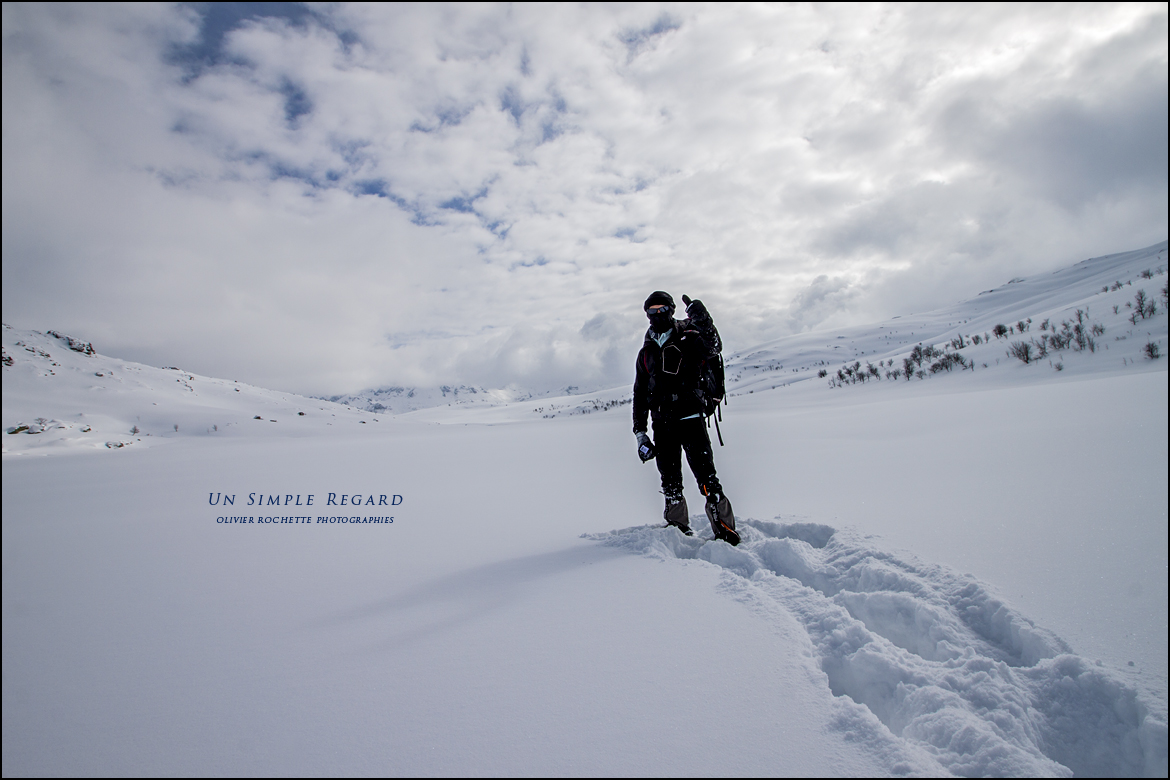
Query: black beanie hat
point(657, 298)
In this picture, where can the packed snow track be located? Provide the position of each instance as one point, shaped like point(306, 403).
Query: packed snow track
point(949, 669)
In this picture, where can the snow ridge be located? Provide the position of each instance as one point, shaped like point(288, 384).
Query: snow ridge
point(403, 400)
point(1103, 286)
point(951, 671)
point(62, 396)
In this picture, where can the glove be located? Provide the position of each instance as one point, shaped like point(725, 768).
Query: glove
point(696, 310)
point(645, 446)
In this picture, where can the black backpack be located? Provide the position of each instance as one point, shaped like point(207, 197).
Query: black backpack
point(712, 388)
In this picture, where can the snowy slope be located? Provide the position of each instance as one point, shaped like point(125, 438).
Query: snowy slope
point(88, 401)
point(961, 574)
point(1096, 286)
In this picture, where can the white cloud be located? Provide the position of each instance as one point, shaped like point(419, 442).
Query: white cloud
point(367, 195)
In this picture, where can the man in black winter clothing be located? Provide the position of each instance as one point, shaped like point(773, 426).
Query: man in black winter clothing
point(669, 387)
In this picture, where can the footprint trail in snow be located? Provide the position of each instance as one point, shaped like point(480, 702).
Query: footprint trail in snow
point(965, 683)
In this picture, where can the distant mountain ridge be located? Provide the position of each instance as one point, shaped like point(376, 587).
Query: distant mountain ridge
point(62, 391)
point(1095, 286)
point(62, 395)
point(401, 400)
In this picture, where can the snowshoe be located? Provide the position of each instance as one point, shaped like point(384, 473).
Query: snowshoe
point(676, 514)
point(722, 518)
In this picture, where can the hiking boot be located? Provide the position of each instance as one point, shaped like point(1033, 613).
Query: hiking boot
point(722, 518)
point(676, 514)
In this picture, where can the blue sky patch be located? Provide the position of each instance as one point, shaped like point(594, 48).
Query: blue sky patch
point(219, 19)
point(636, 40)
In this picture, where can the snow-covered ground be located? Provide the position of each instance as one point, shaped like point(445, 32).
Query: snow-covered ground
point(964, 573)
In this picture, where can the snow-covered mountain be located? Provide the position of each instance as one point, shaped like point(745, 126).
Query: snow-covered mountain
point(71, 390)
point(967, 328)
point(1102, 288)
point(62, 395)
point(399, 400)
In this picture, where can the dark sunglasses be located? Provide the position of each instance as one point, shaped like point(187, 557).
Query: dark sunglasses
point(658, 309)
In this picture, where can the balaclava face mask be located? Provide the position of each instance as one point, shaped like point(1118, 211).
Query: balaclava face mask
point(663, 320)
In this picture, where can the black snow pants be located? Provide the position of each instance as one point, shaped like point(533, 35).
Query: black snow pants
point(671, 439)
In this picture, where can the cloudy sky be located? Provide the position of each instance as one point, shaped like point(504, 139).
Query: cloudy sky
point(325, 198)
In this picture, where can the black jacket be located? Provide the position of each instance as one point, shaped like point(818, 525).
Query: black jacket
point(666, 382)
